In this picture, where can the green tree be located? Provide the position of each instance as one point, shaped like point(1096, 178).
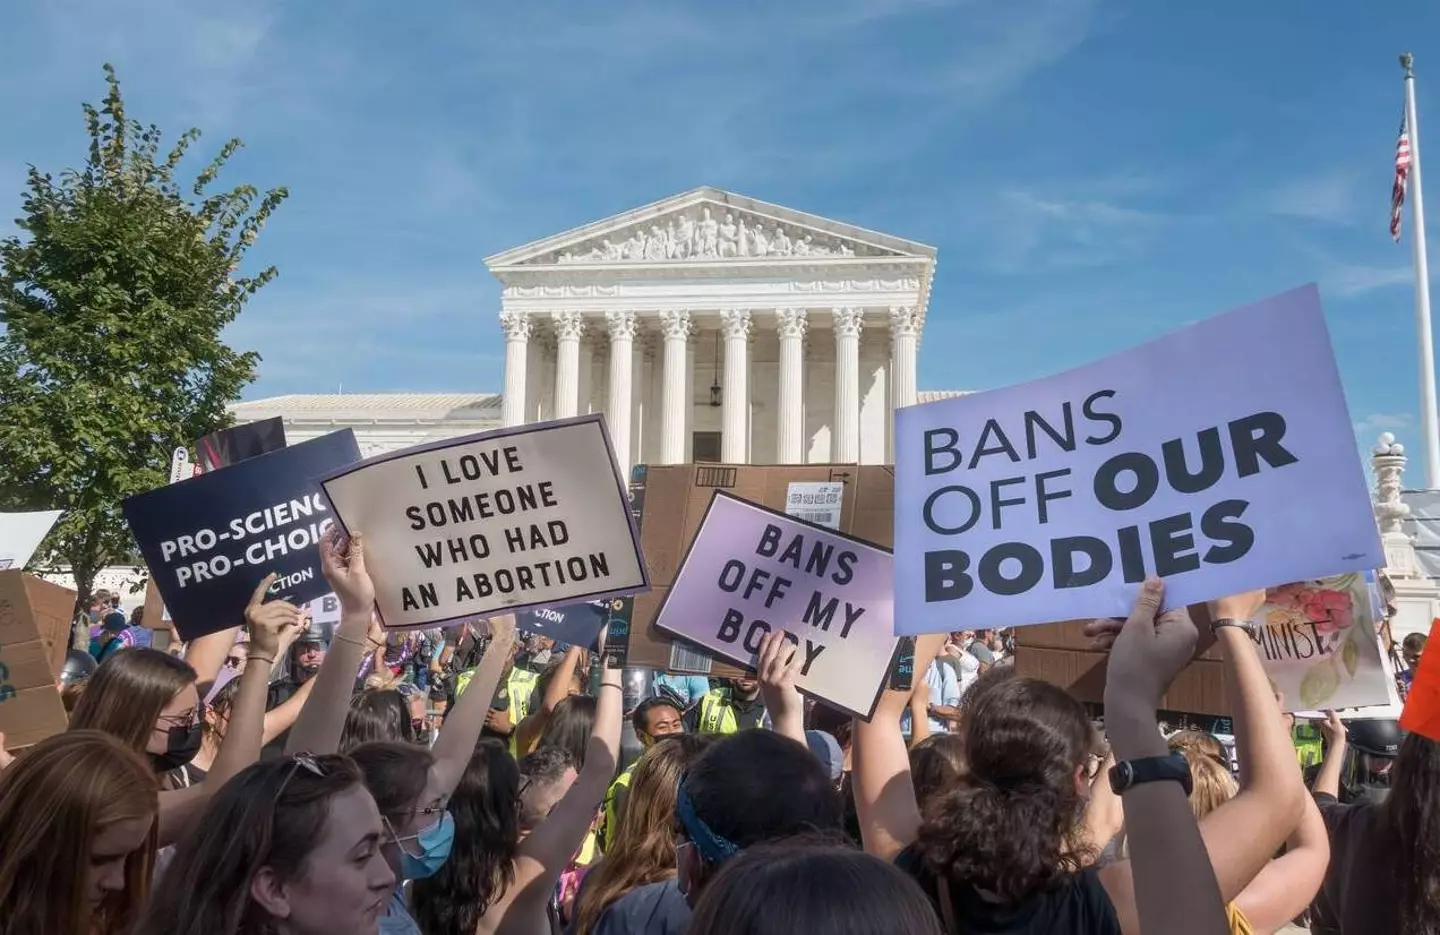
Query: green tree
point(113, 298)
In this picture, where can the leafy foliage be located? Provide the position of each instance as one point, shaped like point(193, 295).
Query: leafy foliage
point(113, 300)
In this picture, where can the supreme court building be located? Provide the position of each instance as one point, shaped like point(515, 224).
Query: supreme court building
point(706, 327)
point(713, 327)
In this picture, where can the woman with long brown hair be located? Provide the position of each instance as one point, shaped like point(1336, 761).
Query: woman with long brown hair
point(77, 814)
point(643, 851)
point(289, 846)
point(150, 702)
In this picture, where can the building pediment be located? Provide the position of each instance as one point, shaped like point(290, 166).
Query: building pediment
point(709, 226)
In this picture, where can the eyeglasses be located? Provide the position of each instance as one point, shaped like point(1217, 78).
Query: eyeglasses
point(305, 761)
point(186, 720)
point(234, 662)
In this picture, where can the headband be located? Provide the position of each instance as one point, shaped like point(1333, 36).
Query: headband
point(711, 846)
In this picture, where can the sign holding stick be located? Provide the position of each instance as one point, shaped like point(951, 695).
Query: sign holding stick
point(1220, 457)
point(751, 570)
point(503, 521)
point(210, 540)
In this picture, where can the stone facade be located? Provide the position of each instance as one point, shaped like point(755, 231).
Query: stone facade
point(759, 333)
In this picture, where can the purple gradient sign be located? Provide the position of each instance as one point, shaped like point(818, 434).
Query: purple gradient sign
point(1220, 457)
point(751, 570)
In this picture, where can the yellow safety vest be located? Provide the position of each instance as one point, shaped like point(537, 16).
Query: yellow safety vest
point(610, 818)
point(521, 688)
point(717, 713)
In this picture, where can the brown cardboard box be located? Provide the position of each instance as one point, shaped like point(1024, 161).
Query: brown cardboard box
point(34, 634)
point(1059, 653)
point(670, 502)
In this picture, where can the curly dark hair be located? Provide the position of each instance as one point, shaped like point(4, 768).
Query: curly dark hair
point(935, 764)
point(1412, 815)
point(487, 834)
point(1025, 742)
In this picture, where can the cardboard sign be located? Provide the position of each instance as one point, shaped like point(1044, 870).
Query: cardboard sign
point(1318, 644)
point(573, 624)
point(502, 521)
point(751, 570)
point(211, 539)
point(34, 630)
point(1220, 457)
point(21, 534)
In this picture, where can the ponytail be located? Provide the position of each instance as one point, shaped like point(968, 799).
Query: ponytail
point(1011, 824)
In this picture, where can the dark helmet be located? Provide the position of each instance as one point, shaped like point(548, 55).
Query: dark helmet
point(1377, 737)
point(316, 633)
point(79, 665)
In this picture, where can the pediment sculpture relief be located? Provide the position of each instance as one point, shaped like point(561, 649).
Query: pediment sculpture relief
point(704, 233)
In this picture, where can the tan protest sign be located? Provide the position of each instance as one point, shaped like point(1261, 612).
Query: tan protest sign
point(34, 625)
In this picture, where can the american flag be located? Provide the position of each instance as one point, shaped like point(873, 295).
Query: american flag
point(1402, 175)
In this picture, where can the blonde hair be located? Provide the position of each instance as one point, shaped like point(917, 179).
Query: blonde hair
point(54, 800)
point(644, 848)
point(1213, 783)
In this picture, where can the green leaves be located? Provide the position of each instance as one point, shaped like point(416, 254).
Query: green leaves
point(113, 298)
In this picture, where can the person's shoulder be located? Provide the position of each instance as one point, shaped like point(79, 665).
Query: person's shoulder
point(1088, 894)
point(653, 909)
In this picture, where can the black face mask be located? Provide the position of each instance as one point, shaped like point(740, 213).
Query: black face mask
point(181, 745)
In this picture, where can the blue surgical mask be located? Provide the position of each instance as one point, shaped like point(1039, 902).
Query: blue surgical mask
point(435, 843)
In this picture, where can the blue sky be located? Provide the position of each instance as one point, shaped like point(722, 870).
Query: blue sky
point(1093, 173)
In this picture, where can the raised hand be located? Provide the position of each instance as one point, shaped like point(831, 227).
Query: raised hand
point(1149, 648)
point(270, 623)
point(343, 562)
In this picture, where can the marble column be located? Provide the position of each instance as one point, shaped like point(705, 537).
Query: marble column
point(569, 326)
point(790, 412)
point(904, 336)
point(676, 328)
point(622, 361)
point(845, 440)
point(517, 327)
point(735, 422)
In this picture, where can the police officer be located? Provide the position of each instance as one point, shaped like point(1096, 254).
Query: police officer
point(731, 708)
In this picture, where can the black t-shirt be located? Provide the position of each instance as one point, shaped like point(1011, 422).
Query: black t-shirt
point(1359, 891)
point(1078, 906)
point(278, 693)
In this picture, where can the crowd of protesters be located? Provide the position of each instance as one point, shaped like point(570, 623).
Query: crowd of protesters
point(307, 780)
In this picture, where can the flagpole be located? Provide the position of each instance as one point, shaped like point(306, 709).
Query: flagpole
point(1430, 421)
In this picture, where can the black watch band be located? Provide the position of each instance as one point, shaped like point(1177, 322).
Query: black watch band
point(1247, 625)
point(1127, 774)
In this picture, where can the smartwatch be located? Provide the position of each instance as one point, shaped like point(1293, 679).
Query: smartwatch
point(1247, 625)
point(1127, 774)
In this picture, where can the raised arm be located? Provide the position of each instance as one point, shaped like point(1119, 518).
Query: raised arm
point(1167, 885)
point(322, 720)
point(547, 851)
point(880, 775)
point(282, 717)
point(1327, 781)
point(206, 655)
point(271, 626)
point(528, 731)
point(778, 665)
point(464, 722)
point(1289, 882)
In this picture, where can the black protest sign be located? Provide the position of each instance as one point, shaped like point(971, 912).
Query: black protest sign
point(211, 539)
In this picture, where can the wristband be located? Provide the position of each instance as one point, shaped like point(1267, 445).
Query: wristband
point(1127, 774)
point(1248, 626)
point(270, 660)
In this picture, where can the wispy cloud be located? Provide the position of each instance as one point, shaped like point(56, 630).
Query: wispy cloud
point(1041, 232)
point(1352, 279)
point(1329, 195)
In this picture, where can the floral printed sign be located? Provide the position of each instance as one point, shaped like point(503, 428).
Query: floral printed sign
point(1319, 646)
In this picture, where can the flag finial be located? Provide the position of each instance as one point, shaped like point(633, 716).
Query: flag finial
point(1407, 62)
